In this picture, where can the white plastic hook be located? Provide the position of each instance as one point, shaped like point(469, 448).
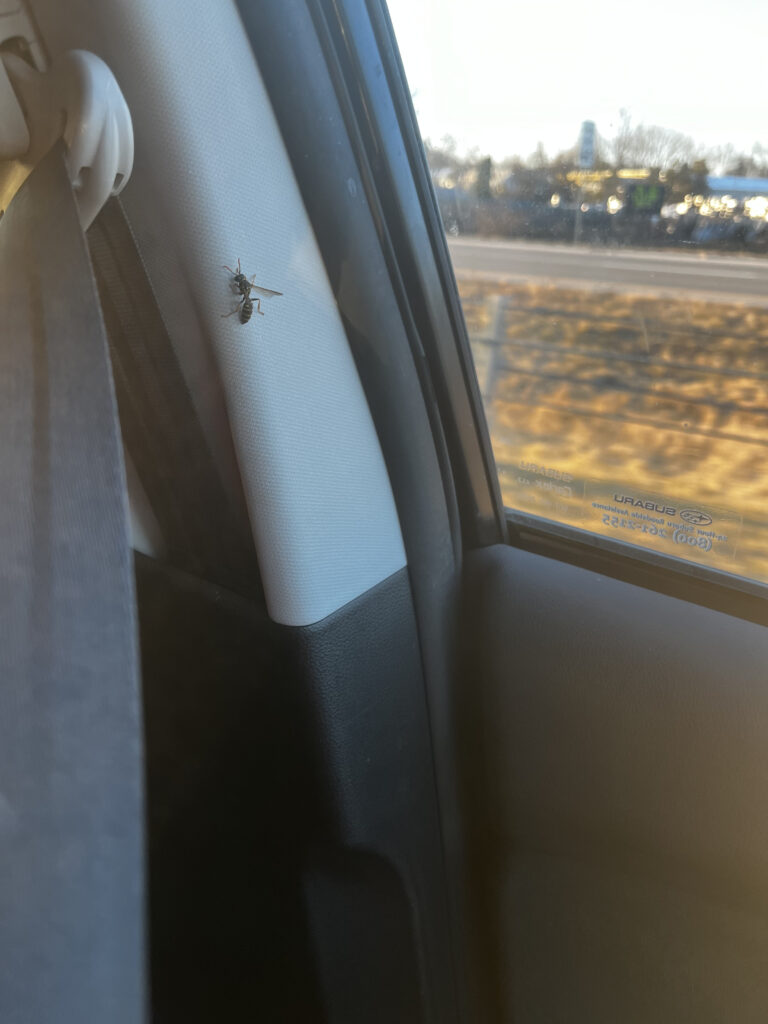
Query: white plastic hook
point(77, 99)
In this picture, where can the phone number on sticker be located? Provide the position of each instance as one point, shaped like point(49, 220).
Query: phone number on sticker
point(677, 536)
point(629, 524)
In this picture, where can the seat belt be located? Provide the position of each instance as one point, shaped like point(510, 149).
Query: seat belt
point(204, 525)
point(72, 887)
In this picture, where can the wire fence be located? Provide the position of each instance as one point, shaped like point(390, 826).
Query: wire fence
point(503, 361)
point(588, 397)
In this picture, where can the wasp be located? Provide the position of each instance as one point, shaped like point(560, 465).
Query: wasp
point(242, 285)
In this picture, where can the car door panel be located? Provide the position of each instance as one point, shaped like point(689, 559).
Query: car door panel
point(622, 735)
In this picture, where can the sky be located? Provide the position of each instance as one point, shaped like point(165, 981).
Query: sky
point(502, 75)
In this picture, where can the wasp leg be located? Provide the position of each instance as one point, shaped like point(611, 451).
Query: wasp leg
point(235, 310)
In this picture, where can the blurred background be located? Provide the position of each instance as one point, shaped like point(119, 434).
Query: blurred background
point(602, 176)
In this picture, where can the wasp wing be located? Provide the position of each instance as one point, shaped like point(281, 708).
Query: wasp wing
point(265, 293)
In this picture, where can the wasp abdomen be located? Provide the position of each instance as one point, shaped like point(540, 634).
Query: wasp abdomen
point(246, 310)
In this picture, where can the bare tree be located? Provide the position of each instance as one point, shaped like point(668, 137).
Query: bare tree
point(728, 160)
point(622, 140)
point(539, 159)
point(721, 158)
point(447, 166)
point(651, 145)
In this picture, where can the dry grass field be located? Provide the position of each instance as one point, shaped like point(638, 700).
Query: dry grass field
point(617, 413)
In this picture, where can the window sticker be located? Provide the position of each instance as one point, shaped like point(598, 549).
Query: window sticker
point(667, 524)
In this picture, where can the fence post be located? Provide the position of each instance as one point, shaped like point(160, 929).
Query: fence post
point(494, 340)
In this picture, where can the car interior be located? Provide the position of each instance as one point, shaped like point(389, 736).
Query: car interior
point(298, 723)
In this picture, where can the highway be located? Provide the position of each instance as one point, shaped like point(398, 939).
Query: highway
point(699, 275)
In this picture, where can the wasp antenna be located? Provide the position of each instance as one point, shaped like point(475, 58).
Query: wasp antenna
point(228, 268)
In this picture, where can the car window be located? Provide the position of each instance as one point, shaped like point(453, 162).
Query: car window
point(606, 207)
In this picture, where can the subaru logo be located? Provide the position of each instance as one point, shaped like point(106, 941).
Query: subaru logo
point(694, 517)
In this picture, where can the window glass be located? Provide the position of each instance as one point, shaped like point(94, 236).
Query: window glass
point(602, 174)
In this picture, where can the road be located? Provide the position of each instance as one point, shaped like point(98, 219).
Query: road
point(701, 275)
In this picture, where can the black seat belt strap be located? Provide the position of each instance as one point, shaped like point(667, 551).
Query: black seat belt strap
point(72, 890)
